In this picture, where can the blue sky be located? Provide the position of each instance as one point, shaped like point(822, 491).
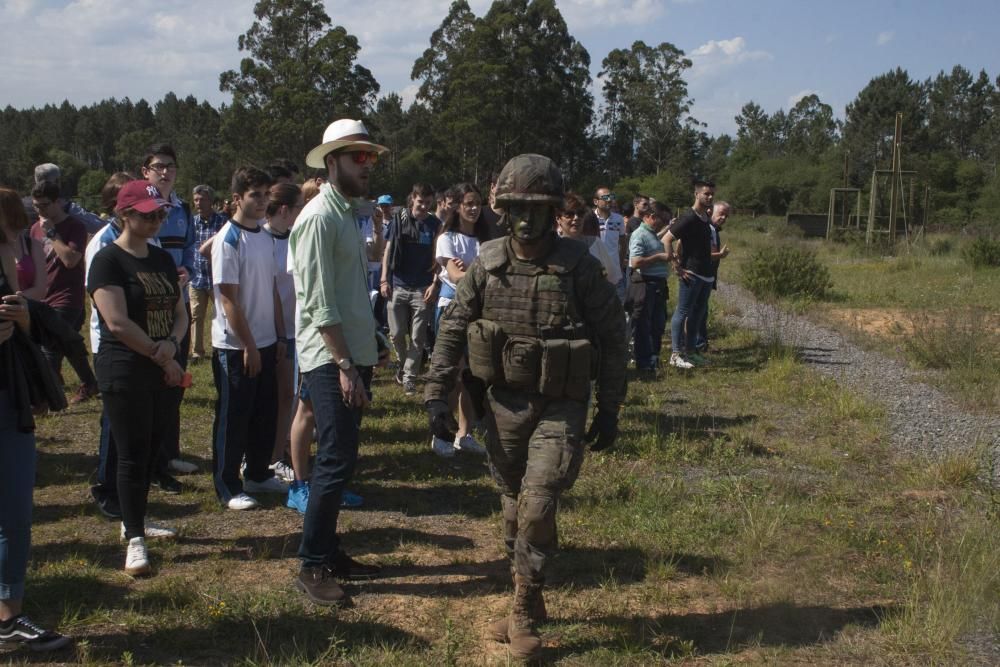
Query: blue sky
point(769, 51)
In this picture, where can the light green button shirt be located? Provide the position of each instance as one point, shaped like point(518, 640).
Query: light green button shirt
point(331, 280)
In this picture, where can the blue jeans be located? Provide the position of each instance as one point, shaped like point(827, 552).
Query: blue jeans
point(692, 299)
point(17, 481)
point(338, 427)
point(701, 340)
point(649, 321)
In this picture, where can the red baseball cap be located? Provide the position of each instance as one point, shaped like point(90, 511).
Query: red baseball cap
point(141, 196)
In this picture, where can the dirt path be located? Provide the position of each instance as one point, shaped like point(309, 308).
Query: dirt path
point(922, 418)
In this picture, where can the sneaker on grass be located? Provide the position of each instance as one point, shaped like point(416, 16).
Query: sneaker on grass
point(137, 558)
point(283, 471)
point(442, 447)
point(697, 359)
point(677, 360)
point(22, 630)
point(298, 496)
point(409, 387)
point(154, 531)
point(166, 483)
point(241, 502)
point(350, 500)
point(466, 443)
point(181, 467)
point(269, 485)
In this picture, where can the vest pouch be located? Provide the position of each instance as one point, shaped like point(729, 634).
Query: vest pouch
point(522, 359)
point(486, 343)
point(555, 368)
point(582, 356)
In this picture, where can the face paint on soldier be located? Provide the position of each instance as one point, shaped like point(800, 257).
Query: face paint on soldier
point(529, 222)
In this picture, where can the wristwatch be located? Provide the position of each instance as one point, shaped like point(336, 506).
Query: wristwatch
point(50, 233)
point(173, 339)
point(345, 364)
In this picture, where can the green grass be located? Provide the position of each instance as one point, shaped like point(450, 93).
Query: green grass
point(752, 512)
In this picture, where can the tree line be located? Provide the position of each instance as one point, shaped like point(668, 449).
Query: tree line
point(515, 80)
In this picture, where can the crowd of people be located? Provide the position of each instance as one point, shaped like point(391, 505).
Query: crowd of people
point(509, 303)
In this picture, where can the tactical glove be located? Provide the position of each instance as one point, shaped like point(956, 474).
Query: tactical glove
point(603, 430)
point(443, 424)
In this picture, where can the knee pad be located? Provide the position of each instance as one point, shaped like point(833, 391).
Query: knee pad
point(536, 517)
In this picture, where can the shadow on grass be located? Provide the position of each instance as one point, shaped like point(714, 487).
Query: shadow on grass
point(53, 512)
point(411, 465)
point(387, 539)
point(676, 635)
point(64, 467)
point(291, 638)
point(693, 427)
point(439, 499)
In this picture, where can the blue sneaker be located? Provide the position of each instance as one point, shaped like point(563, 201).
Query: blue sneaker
point(298, 496)
point(350, 500)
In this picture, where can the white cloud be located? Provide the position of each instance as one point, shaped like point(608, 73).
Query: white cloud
point(885, 37)
point(805, 92)
point(716, 55)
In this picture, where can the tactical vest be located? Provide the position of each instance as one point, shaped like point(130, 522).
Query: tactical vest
point(531, 335)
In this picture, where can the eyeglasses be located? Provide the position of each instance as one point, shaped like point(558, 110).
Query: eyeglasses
point(364, 157)
point(608, 197)
point(162, 167)
point(472, 205)
point(571, 214)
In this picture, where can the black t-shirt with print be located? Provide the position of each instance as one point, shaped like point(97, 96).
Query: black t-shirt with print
point(151, 293)
point(696, 242)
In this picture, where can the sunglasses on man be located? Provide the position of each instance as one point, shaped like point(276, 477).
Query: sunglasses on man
point(607, 197)
point(364, 157)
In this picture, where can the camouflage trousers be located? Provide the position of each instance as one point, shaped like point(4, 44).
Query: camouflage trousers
point(535, 446)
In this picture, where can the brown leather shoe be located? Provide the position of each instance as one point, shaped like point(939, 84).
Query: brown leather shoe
point(84, 393)
point(319, 586)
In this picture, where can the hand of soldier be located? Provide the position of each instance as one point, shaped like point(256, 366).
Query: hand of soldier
point(603, 431)
point(443, 423)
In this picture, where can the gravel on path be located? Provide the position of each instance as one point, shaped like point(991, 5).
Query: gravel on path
point(921, 418)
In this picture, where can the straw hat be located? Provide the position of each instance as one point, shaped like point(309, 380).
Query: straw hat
point(343, 133)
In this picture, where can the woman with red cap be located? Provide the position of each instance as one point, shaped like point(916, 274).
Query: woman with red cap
point(142, 318)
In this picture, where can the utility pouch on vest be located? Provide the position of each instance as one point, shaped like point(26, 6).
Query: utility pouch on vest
point(522, 360)
point(582, 362)
point(486, 344)
point(555, 368)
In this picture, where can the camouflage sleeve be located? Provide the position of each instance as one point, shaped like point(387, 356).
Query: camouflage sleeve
point(467, 306)
point(605, 317)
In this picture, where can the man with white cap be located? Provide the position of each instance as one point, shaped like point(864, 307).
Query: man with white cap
point(336, 344)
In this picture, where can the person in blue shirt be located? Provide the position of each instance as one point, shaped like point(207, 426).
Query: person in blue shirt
point(648, 286)
point(177, 237)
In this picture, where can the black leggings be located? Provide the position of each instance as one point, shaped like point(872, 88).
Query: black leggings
point(137, 417)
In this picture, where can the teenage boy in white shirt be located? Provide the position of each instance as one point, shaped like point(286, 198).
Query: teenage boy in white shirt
point(245, 336)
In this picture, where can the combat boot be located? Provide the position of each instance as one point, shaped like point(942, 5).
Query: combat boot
point(525, 644)
point(498, 629)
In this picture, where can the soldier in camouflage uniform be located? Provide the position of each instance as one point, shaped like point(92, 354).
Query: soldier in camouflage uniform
point(540, 321)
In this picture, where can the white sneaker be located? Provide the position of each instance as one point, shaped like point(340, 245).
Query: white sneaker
point(677, 360)
point(269, 485)
point(442, 448)
point(136, 558)
point(283, 471)
point(466, 443)
point(154, 531)
point(181, 466)
point(241, 502)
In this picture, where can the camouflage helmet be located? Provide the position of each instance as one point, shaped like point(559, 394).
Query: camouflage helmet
point(529, 178)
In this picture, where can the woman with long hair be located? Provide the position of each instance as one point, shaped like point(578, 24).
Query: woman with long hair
point(465, 227)
point(142, 318)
